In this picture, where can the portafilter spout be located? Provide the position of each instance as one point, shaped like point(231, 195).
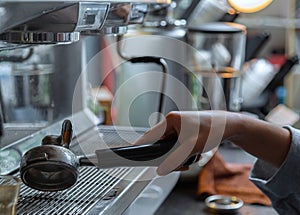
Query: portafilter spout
point(53, 166)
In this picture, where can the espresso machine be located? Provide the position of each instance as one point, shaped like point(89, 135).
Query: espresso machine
point(51, 57)
point(49, 62)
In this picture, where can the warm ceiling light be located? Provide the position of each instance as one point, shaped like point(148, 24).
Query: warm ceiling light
point(249, 6)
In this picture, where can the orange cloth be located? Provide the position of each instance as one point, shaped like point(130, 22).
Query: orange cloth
point(219, 177)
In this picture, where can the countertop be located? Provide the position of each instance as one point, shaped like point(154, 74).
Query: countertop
point(184, 201)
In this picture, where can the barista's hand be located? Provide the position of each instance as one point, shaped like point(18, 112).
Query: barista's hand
point(197, 132)
point(202, 131)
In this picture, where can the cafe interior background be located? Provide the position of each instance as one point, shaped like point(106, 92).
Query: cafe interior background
point(116, 68)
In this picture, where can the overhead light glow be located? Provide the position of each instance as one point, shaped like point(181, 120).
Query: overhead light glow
point(249, 6)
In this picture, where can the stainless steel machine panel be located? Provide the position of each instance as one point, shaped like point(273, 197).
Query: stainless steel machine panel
point(107, 191)
point(95, 190)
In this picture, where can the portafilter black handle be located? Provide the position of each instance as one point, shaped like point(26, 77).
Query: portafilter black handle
point(152, 154)
point(129, 156)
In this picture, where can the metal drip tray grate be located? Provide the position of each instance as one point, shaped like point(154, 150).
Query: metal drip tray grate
point(93, 186)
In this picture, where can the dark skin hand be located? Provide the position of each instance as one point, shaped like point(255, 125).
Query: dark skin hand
point(203, 131)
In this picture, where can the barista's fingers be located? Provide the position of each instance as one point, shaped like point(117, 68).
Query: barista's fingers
point(170, 126)
point(154, 134)
point(176, 159)
point(159, 131)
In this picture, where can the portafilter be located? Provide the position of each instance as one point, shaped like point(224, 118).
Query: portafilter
point(53, 166)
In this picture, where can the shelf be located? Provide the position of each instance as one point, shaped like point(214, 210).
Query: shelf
point(270, 22)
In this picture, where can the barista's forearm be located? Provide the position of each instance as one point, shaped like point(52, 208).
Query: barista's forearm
point(261, 139)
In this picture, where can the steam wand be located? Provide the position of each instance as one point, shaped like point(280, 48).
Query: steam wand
point(148, 59)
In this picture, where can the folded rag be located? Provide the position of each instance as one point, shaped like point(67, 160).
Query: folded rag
point(219, 177)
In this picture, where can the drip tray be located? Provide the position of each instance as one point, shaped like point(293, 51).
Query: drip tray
point(95, 191)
